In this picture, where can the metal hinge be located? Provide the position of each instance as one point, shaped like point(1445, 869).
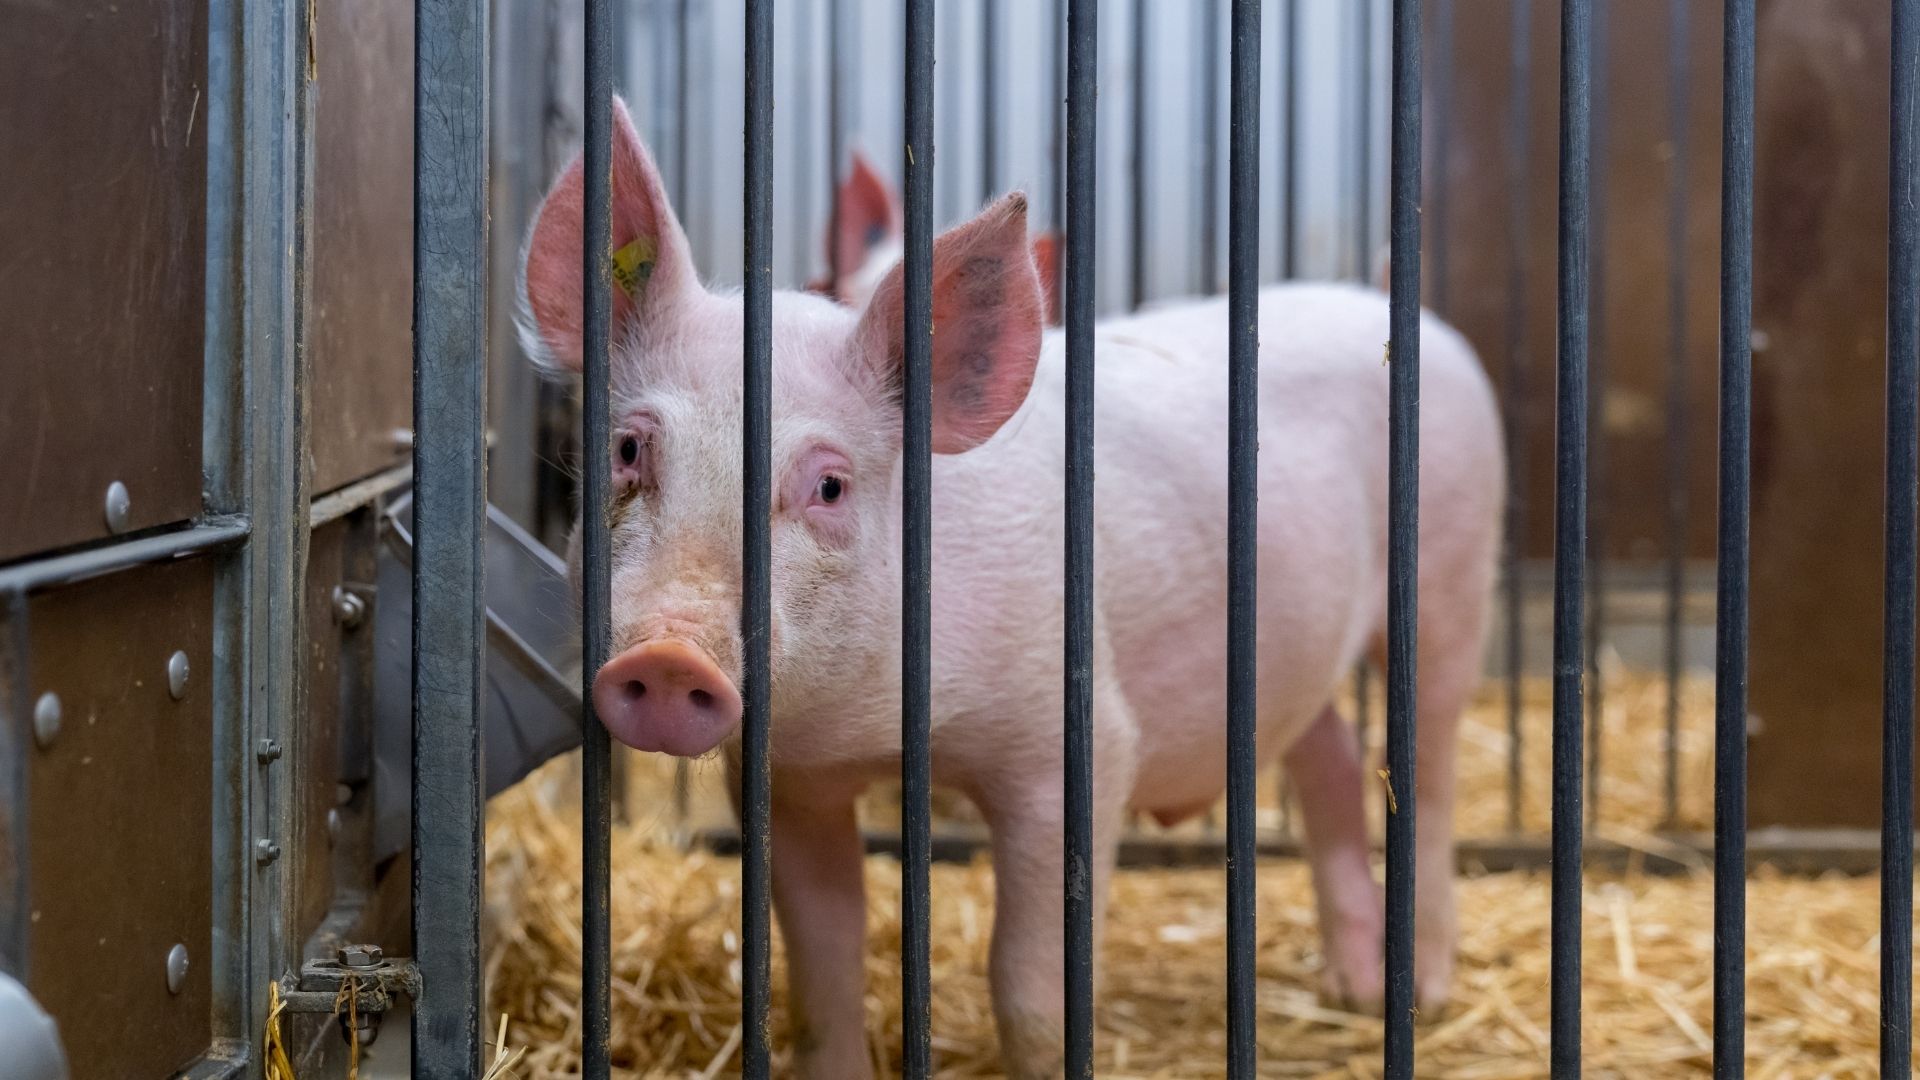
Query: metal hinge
point(358, 985)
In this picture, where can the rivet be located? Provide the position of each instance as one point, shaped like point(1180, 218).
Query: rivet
point(269, 751)
point(119, 506)
point(265, 850)
point(176, 969)
point(177, 672)
point(349, 610)
point(46, 719)
point(333, 827)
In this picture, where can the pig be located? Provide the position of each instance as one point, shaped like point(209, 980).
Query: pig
point(867, 239)
point(1159, 620)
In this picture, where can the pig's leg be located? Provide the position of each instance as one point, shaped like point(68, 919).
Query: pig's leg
point(1027, 964)
point(1327, 773)
point(1448, 674)
point(819, 897)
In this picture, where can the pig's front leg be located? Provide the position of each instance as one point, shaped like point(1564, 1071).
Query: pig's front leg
point(1326, 771)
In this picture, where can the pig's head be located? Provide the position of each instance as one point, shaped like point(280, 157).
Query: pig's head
point(674, 448)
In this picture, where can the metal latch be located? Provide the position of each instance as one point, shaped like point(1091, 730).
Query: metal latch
point(358, 985)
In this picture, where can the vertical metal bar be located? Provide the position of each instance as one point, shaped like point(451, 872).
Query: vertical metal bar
point(1403, 539)
point(1569, 539)
point(1213, 45)
point(756, 550)
point(450, 498)
point(683, 89)
point(1597, 446)
point(1243, 495)
point(1363, 145)
point(989, 98)
point(1290, 144)
point(916, 555)
point(1137, 160)
point(1679, 76)
point(1730, 651)
point(1903, 373)
point(596, 562)
point(1519, 153)
point(1083, 44)
point(836, 145)
point(1442, 149)
point(1059, 154)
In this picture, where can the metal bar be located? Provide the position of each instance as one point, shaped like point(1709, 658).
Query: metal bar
point(1596, 543)
point(682, 142)
point(1058, 157)
point(1243, 494)
point(756, 605)
point(1730, 649)
point(1363, 144)
point(1289, 142)
point(1513, 389)
point(1137, 159)
point(1213, 45)
point(989, 98)
point(204, 538)
point(1903, 472)
point(1569, 540)
point(836, 145)
point(596, 556)
point(1679, 73)
point(450, 501)
point(916, 576)
point(1083, 44)
point(1403, 540)
point(1443, 76)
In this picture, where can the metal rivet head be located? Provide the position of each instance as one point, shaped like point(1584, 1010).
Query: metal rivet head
point(269, 751)
point(349, 610)
point(359, 956)
point(177, 672)
point(176, 969)
point(265, 850)
point(333, 827)
point(46, 719)
point(119, 507)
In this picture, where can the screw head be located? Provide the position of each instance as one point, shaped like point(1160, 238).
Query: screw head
point(269, 751)
point(359, 956)
point(265, 851)
point(176, 969)
point(349, 609)
point(178, 669)
point(46, 719)
point(119, 507)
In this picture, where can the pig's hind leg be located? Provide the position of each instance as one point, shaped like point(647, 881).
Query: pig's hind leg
point(1327, 773)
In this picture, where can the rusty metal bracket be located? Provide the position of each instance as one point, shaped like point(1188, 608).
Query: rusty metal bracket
point(359, 973)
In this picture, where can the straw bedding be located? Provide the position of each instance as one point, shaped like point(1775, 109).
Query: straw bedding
point(1812, 958)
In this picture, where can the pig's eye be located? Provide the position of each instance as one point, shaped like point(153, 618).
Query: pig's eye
point(831, 489)
point(629, 450)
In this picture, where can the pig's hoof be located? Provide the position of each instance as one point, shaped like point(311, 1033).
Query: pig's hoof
point(1353, 993)
point(1032, 1046)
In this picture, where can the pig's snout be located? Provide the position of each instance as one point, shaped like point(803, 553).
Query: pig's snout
point(666, 695)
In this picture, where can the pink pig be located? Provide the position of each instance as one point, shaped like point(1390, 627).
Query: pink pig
point(998, 436)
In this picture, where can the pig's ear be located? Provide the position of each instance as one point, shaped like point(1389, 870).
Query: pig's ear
point(1046, 260)
point(986, 326)
point(649, 261)
point(867, 215)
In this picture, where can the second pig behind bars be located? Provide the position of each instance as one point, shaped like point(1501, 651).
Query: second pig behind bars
point(1160, 671)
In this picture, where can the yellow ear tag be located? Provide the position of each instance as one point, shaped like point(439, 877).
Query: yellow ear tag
point(633, 264)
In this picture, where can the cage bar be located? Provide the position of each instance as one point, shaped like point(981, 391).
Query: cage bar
point(1730, 650)
point(1137, 160)
point(916, 558)
point(1569, 538)
point(989, 98)
point(1290, 141)
point(596, 562)
point(1243, 536)
point(1596, 568)
point(1082, 82)
point(1403, 553)
point(450, 498)
point(1513, 390)
point(1903, 472)
point(1679, 72)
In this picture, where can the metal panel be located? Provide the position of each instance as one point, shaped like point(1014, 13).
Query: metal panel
point(314, 756)
point(103, 205)
point(362, 390)
point(120, 817)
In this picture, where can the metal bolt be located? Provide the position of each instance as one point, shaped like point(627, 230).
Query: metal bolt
point(359, 956)
point(176, 969)
point(265, 851)
point(366, 1026)
point(119, 506)
point(269, 751)
point(177, 671)
point(333, 827)
point(349, 610)
point(46, 719)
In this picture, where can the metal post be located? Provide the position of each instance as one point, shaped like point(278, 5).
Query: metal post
point(1137, 160)
point(1290, 142)
point(1519, 153)
point(1679, 73)
point(450, 498)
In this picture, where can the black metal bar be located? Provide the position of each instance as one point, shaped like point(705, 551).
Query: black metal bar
point(916, 575)
point(989, 98)
point(1403, 550)
point(450, 493)
point(1137, 161)
point(1059, 155)
point(1569, 539)
point(1363, 149)
point(1730, 650)
point(1597, 502)
point(1443, 76)
point(1243, 535)
point(596, 559)
point(1519, 155)
point(1290, 141)
point(1903, 473)
point(1213, 45)
point(1083, 45)
point(836, 146)
point(1679, 76)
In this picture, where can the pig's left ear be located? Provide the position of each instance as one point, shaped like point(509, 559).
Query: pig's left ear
point(648, 258)
point(986, 326)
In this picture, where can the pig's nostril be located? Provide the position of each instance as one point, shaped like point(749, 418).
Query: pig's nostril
point(700, 698)
point(635, 689)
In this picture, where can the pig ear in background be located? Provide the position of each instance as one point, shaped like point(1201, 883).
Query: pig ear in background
point(867, 215)
point(1046, 259)
point(650, 263)
point(986, 326)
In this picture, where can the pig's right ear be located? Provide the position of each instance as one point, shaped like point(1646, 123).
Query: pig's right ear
point(651, 268)
point(866, 215)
